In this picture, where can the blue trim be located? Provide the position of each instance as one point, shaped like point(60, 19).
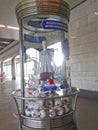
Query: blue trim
point(35, 39)
point(50, 88)
point(54, 25)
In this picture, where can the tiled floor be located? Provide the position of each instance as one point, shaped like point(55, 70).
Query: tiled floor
point(7, 106)
point(87, 114)
point(87, 110)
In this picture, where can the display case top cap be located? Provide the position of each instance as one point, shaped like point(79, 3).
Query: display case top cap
point(27, 8)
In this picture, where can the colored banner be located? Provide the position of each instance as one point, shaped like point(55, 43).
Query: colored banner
point(34, 39)
point(54, 25)
point(49, 24)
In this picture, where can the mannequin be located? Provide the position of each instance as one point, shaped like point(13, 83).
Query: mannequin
point(46, 69)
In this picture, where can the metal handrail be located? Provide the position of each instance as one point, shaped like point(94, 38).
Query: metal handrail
point(47, 119)
point(14, 94)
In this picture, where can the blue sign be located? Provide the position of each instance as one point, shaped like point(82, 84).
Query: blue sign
point(35, 39)
point(49, 24)
point(55, 25)
point(36, 24)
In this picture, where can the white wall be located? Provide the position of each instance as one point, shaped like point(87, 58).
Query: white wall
point(84, 48)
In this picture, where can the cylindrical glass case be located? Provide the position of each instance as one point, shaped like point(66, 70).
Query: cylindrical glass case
point(47, 98)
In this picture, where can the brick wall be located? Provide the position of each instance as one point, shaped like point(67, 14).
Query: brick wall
point(83, 38)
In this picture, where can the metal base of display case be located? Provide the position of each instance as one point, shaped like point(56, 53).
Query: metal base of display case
point(64, 122)
point(55, 123)
point(72, 127)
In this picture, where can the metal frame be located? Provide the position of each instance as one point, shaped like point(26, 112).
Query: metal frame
point(70, 115)
point(37, 7)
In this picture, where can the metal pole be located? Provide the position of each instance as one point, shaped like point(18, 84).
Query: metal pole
point(19, 113)
point(2, 71)
point(22, 67)
point(47, 116)
point(13, 69)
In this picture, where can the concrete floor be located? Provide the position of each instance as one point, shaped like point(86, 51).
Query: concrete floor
point(87, 110)
point(87, 114)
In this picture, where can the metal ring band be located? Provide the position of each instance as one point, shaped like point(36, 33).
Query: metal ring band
point(37, 7)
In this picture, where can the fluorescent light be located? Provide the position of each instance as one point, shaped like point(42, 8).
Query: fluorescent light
point(73, 37)
point(12, 27)
point(2, 26)
point(96, 13)
point(5, 42)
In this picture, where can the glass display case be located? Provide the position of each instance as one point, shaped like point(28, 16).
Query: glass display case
point(46, 100)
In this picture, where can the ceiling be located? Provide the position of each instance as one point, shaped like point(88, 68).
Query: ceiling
point(8, 18)
point(74, 3)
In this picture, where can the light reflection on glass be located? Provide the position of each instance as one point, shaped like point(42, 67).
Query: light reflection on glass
point(58, 56)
